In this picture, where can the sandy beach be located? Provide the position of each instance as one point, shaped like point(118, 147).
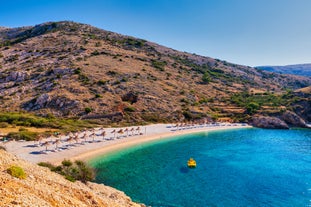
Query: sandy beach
point(96, 144)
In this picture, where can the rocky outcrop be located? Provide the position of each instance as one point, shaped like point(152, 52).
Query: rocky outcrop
point(45, 188)
point(42, 101)
point(293, 119)
point(130, 97)
point(268, 122)
point(17, 76)
point(58, 103)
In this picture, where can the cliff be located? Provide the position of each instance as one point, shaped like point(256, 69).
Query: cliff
point(43, 188)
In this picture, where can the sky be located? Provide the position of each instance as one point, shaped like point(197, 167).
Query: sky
point(247, 32)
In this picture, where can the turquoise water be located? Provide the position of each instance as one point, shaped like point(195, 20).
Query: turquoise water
point(246, 167)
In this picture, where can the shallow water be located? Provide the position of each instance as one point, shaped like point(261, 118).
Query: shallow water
point(245, 167)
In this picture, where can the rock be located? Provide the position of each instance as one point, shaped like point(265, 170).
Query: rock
point(293, 119)
point(268, 122)
point(45, 188)
point(61, 71)
point(17, 76)
point(42, 101)
point(130, 97)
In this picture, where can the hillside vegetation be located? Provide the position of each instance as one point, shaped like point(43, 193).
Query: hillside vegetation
point(76, 71)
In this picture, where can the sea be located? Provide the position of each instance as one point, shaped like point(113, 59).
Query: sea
point(235, 168)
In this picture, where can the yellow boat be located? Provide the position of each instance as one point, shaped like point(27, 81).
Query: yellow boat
point(191, 163)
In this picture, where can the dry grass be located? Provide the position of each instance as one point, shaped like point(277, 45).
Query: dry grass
point(31, 129)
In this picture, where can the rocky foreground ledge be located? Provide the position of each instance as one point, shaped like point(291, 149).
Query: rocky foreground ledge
point(44, 188)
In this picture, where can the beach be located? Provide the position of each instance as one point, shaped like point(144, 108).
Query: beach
point(94, 144)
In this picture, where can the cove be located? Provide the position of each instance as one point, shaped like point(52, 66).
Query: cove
point(241, 167)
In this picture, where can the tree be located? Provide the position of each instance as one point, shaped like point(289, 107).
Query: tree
point(252, 107)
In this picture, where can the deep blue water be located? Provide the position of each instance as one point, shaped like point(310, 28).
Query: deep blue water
point(246, 167)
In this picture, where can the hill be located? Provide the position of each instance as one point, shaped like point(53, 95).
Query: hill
point(68, 69)
point(300, 69)
point(42, 187)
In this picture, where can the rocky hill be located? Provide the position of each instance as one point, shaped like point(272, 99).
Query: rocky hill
point(41, 187)
point(69, 69)
point(300, 69)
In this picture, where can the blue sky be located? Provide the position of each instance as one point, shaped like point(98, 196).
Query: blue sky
point(248, 32)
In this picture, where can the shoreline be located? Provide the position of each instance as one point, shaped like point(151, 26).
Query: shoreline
point(147, 139)
point(91, 150)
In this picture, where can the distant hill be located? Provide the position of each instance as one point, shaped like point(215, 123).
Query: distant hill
point(301, 69)
point(68, 69)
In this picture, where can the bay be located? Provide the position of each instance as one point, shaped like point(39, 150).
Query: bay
point(244, 167)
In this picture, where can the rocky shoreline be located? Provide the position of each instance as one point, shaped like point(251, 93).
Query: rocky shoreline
point(285, 120)
point(43, 188)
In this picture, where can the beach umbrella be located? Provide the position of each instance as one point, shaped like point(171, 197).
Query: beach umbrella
point(46, 144)
point(84, 137)
point(103, 134)
point(70, 140)
point(93, 136)
point(132, 130)
point(59, 136)
point(120, 131)
point(127, 132)
point(57, 143)
point(40, 138)
point(101, 129)
point(76, 138)
point(114, 131)
point(138, 130)
point(52, 137)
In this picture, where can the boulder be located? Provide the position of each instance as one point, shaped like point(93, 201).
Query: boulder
point(293, 119)
point(130, 97)
point(268, 122)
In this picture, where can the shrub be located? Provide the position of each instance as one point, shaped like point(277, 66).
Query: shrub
point(77, 71)
point(22, 129)
point(102, 82)
point(206, 78)
point(158, 64)
point(70, 178)
point(83, 78)
point(88, 110)
point(67, 163)
point(46, 164)
point(78, 170)
point(3, 124)
point(98, 96)
point(130, 109)
point(17, 172)
point(23, 135)
point(95, 53)
point(85, 173)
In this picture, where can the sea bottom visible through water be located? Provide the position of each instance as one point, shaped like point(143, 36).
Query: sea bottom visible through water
point(245, 167)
